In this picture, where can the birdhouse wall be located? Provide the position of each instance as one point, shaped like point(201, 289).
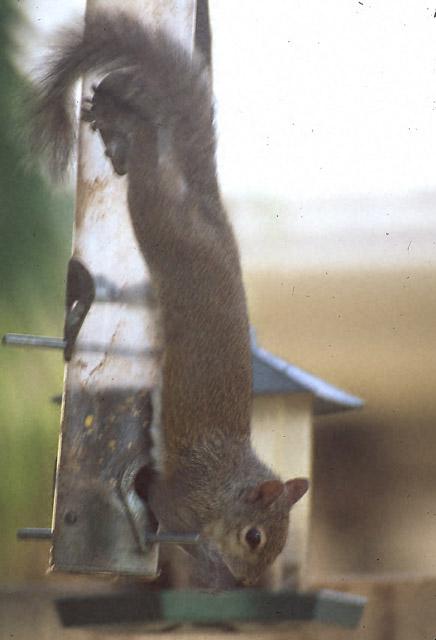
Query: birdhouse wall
point(282, 436)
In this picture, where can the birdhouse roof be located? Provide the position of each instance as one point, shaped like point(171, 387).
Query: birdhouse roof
point(272, 375)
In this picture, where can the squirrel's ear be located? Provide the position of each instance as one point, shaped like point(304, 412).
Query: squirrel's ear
point(295, 489)
point(265, 492)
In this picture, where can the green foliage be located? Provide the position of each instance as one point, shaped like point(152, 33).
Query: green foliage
point(35, 237)
point(30, 218)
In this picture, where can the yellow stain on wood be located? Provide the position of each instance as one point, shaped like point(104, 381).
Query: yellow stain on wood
point(89, 421)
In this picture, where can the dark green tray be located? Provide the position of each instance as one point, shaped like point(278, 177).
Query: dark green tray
point(237, 609)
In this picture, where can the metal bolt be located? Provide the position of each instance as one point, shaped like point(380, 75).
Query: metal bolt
point(25, 340)
point(46, 342)
point(70, 517)
point(34, 533)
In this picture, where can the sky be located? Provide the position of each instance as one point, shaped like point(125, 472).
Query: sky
point(321, 101)
point(325, 97)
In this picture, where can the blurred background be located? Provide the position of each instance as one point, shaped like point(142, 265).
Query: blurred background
point(326, 122)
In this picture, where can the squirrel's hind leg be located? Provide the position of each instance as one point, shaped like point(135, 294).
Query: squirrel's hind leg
point(106, 113)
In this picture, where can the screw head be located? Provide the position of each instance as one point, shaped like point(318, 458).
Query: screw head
point(70, 517)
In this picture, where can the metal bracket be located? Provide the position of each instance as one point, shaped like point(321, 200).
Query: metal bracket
point(79, 298)
point(82, 291)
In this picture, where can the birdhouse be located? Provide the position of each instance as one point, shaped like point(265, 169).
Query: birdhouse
point(286, 399)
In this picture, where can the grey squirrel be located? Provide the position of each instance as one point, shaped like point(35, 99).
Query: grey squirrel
point(156, 102)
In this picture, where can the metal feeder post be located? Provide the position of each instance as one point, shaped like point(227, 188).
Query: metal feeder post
point(112, 345)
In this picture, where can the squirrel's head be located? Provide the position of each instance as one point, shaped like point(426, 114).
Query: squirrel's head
point(253, 530)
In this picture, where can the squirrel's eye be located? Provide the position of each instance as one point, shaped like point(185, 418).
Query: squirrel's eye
point(253, 538)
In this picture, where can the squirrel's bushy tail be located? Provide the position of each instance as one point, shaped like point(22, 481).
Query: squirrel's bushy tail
point(163, 71)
